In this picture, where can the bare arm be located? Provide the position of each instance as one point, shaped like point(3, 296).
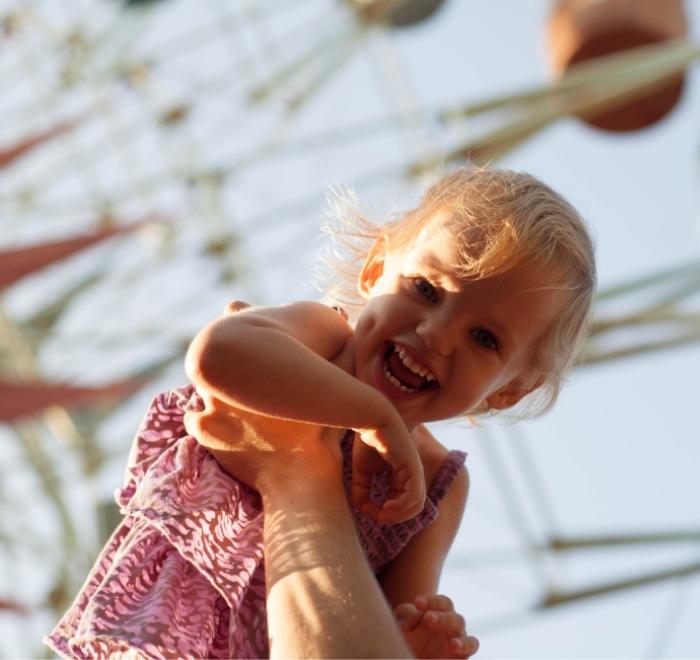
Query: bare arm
point(431, 625)
point(323, 600)
point(416, 571)
point(277, 362)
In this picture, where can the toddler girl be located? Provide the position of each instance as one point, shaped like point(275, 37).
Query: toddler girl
point(470, 304)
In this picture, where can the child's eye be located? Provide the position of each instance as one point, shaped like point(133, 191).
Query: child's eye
point(485, 338)
point(425, 288)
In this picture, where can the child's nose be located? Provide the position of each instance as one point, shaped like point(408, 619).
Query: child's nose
point(435, 335)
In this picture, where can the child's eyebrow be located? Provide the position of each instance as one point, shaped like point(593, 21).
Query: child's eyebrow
point(437, 265)
point(434, 262)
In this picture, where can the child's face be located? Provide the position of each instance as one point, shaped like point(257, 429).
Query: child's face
point(469, 340)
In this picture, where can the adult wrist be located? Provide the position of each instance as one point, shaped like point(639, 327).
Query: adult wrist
point(311, 483)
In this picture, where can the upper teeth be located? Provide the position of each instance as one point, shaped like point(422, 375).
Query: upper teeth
point(413, 365)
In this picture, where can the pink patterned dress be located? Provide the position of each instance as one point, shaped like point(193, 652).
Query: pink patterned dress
point(183, 574)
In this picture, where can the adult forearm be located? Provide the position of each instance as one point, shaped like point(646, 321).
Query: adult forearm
point(323, 600)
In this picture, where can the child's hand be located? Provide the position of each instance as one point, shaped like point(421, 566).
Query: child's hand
point(433, 629)
point(388, 448)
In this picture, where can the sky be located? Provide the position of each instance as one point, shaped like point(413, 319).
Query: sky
point(618, 454)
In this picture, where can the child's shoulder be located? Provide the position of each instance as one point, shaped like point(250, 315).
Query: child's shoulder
point(320, 327)
point(308, 308)
point(307, 313)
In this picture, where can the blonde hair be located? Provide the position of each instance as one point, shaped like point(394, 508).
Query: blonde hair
point(498, 218)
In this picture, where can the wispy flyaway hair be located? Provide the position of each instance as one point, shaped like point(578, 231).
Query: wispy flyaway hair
point(498, 218)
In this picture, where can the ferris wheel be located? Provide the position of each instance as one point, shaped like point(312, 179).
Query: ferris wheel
point(159, 158)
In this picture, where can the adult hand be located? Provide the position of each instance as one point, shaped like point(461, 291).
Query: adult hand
point(256, 449)
point(321, 592)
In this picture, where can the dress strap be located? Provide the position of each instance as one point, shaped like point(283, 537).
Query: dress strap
point(446, 475)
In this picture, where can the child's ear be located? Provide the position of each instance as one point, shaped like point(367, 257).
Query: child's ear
point(511, 393)
point(373, 268)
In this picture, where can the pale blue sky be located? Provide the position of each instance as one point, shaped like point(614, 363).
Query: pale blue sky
point(618, 453)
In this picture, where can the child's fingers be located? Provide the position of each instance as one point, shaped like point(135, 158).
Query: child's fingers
point(434, 602)
point(389, 516)
point(406, 481)
point(360, 491)
point(472, 644)
point(407, 615)
point(371, 510)
point(393, 511)
point(360, 496)
point(366, 462)
point(399, 510)
point(374, 455)
point(465, 646)
point(440, 616)
point(408, 496)
point(450, 623)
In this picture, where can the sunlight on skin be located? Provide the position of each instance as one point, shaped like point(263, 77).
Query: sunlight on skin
point(318, 580)
point(229, 438)
point(321, 581)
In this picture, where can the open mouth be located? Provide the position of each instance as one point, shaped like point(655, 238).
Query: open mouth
point(404, 373)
